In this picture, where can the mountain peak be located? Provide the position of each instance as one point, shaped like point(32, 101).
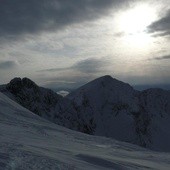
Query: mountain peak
point(104, 87)
point(16, 84)
point(28, 83)
point(27, 93)
point(106, 77)
point(107, 81)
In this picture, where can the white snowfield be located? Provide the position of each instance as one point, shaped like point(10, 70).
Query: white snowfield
point(29, 142)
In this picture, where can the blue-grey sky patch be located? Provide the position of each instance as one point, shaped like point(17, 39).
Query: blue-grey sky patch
point(7, 64)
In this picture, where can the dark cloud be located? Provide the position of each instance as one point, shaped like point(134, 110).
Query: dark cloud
point(32, 16)
point(77, 74)
point(7, 64)
point(166, 57)
point(162, 34)
point(161, 27)
point(91, 65)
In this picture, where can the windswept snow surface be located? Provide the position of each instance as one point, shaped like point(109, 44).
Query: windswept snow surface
point(29, 142)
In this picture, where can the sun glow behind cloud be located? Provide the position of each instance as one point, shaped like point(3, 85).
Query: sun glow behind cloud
point(136, 20)
point(133, 24)
point(129, 42)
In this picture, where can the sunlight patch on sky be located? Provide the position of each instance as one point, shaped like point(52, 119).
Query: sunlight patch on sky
point(135, 20)
point(127, 36)
point(132, 24)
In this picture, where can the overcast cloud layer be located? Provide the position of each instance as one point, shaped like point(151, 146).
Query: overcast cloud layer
point(65, 43)
point(18, 17)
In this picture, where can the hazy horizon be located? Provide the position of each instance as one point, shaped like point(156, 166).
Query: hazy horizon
point(65, 89)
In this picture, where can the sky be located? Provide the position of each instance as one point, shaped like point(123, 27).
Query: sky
point(66, 43)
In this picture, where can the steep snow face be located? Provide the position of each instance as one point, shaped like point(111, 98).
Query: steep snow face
point(37, 99)
point(106, 105)
point(153, 120)
point(29, 142)
point(112, 108)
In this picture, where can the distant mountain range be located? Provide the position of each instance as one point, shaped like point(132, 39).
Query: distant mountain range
point(145, 86)
point(104, 107)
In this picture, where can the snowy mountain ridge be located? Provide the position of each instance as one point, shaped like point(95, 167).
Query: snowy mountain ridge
point(119, 111)
point(111, 108)
point(37, 99)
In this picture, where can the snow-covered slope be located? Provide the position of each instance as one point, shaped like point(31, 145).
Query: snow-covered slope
point(28, 142)
point(154, 118)
point(112, 108)
point(105, 104)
